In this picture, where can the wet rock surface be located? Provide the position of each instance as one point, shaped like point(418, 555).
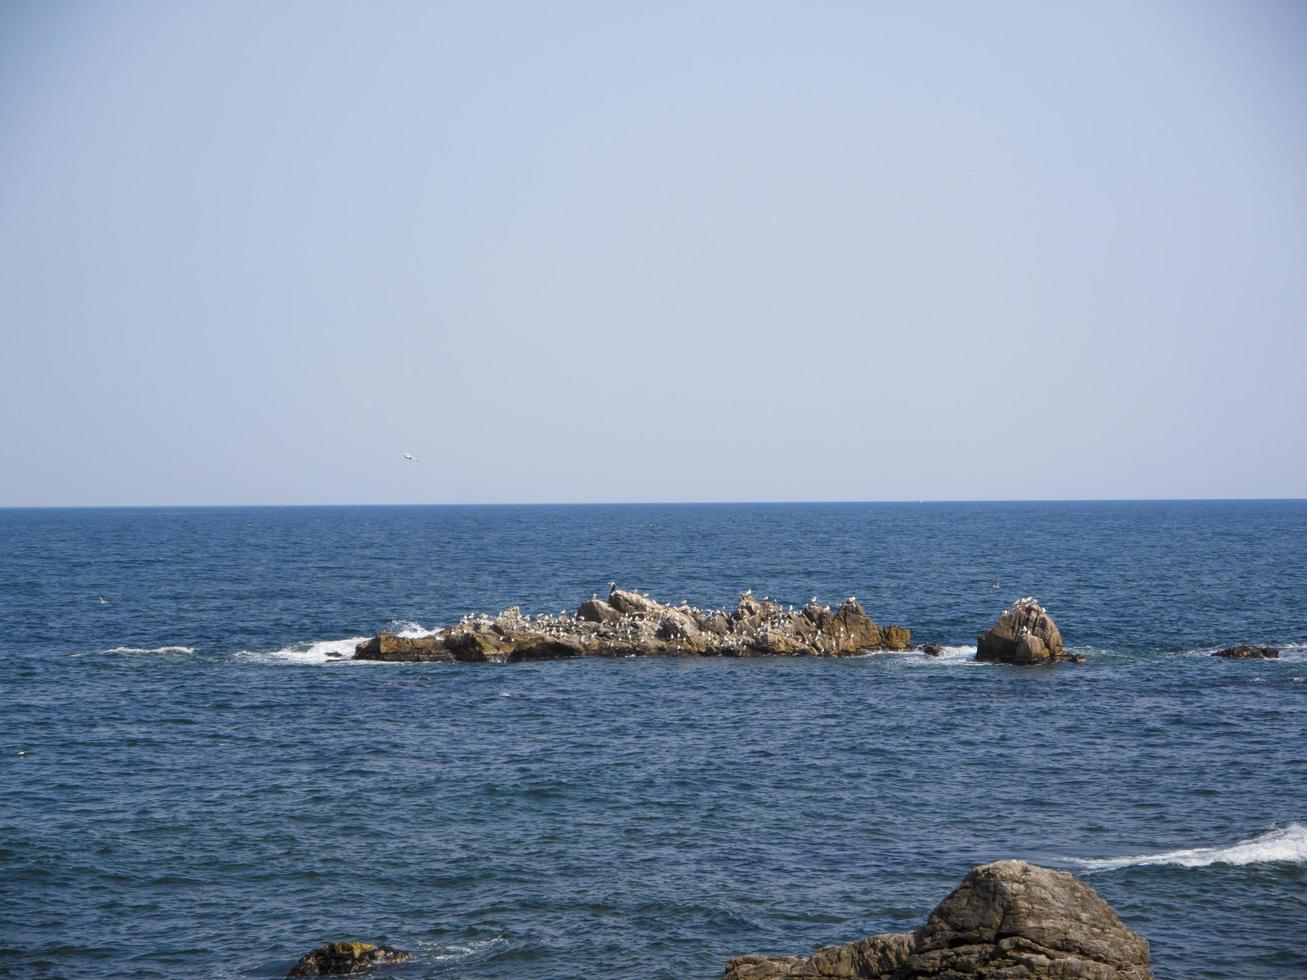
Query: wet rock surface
point(1248, 653)
point(343, 959)
point(629, 623)
point(1008, 920)
point(1024, 634)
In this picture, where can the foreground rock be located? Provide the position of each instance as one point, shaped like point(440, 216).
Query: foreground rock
point(632, 624)
point(342, 959)
point(1024, 634)
point(1007, 921)
point(1248, 653)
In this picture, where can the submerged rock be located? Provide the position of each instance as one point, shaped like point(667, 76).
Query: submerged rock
point(342, 959)
point(1248, 653)
point(1024, 634)
point(1007, 921)
point(632, 624)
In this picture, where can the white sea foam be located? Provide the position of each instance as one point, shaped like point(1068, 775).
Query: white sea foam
point(321, 652)
point(163, 649)
point(947, 655)
point(461, 951)
point(1286, 844)
point(959, 654)
point(411, 631)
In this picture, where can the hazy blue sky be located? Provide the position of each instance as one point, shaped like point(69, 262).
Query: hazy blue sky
point(253, 252)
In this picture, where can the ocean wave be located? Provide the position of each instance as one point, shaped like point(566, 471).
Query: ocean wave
point(1286, 844)
point(163, 649)
point(319, 652)
point(462, 951)
point(410, 630)
point(959, 654)
point(963, 654)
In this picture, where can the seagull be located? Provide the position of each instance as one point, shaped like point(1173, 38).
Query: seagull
point(103, 600)
point(410, 457)
point(996, 584)
point(22, 751)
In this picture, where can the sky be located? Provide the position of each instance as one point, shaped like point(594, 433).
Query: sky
point(252, 253)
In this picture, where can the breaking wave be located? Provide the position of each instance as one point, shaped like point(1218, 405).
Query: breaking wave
point(957, 654)
point(163, 649)
point(462, 951)
point(321, 652)
point(1286, 844)
point(331, 651)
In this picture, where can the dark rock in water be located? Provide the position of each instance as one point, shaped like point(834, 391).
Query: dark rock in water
point(1007, 921)
point(546, 648)
point(1024, 634)
point(631, 624)
point(931, 649)
point(342, 959)
point(1248, 653)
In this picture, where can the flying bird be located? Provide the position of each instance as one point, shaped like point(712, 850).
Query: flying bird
point(103, 600)
point(410, 457)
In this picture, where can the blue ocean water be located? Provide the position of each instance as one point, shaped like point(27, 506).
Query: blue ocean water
point(208, 791)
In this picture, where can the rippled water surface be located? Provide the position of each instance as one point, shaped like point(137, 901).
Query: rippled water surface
point(209, 789)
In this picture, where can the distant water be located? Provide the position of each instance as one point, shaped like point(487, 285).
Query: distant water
point(210, 789)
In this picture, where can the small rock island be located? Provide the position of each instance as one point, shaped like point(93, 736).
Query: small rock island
point(632, 624)
point(1008, 920)
point(1025, 634)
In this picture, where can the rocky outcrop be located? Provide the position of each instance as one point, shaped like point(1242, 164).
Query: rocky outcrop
point(1024, 634)
point(1248, 653)
point(1007, 921)
point(632, 624)
point(342, 959)
point(389, 646)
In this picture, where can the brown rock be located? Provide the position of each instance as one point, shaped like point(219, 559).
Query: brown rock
point(634, 604)
point(597, 611)
point(546, 648)
point(1007, 921)
point(631, 624)
point(751, 612)
point(895, 637)
point(1024, 634)
point(931, 649)
point(388, 646)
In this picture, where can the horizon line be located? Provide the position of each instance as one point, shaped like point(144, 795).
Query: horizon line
point(664, 503)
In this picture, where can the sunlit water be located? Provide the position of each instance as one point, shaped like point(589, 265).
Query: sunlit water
point(210, 789)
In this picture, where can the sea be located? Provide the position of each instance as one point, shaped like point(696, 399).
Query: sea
point(197, 781)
